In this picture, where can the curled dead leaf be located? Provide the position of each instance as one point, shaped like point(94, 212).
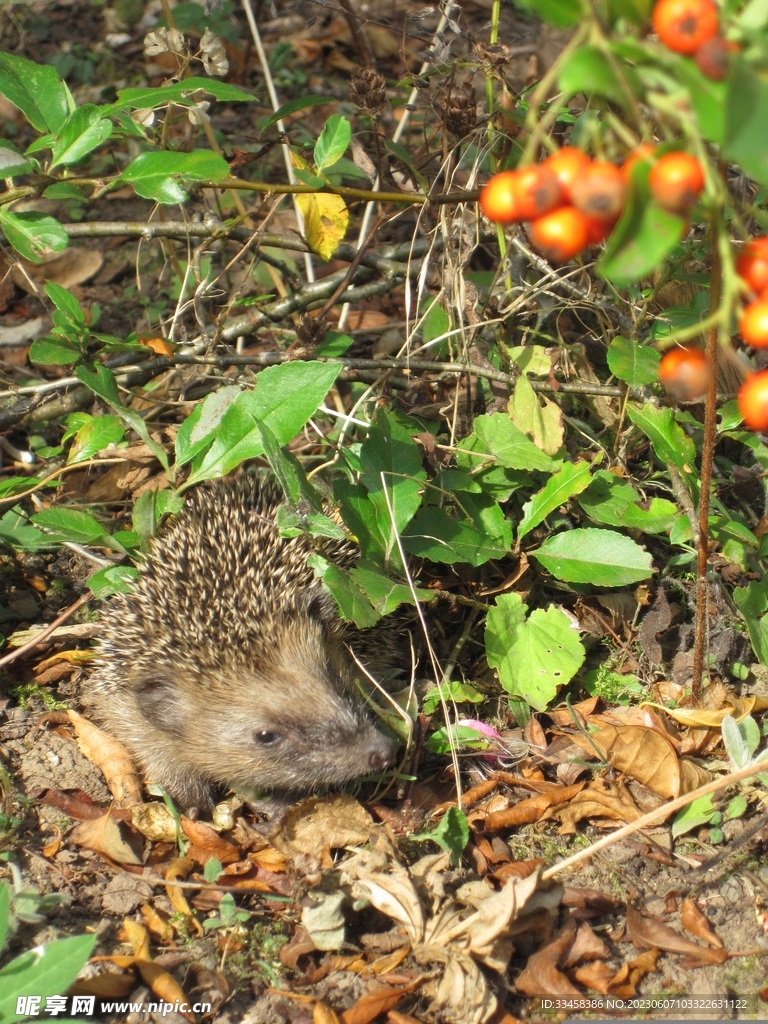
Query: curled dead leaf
point(111, 757)
point(106, 836)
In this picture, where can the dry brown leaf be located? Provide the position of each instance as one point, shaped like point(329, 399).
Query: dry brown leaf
point(599, 800)
point(378, 1000)
point(111, 757)
point(137, 936)
point(322, 1014)
point(53, 846)
point(163, 984)
point(103, 835)
point(703, 718)
point(627, 977)
point(180, 869)
point(586, 946)
point(541, 975)
point(104, 986)
point(531, 809)
point(649, 932)
point(317, 823)
point(205, 838)
point(596, 976)
point(694, 921)
point(269, 859)
point(75, 266)
point(158, 924)
point(640, 753)
point(692, 776)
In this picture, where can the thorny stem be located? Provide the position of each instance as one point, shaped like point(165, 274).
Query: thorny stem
point(707, 455)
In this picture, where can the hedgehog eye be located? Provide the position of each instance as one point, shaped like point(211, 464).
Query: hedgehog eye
point(267, 737)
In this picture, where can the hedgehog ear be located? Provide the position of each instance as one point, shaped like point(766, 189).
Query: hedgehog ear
point(157, 697)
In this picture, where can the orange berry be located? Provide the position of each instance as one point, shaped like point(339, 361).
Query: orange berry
point(752, 263)
point(685, 25)
point(537, 191)
point(753, 325)
point(753, 401)
point(600, 190)
point(714, 58)
point(560, 235)
point(684, 373)
point(497, 199)
point(676, 181)
point(598, 229)
point(566, 164)
point(645, 151)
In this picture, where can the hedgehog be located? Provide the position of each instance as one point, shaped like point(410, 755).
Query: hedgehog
point(228, 665)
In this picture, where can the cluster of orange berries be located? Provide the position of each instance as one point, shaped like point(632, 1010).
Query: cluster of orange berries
point(752, 268)
point(571, 201)
point(692, 27)
point(684, 371)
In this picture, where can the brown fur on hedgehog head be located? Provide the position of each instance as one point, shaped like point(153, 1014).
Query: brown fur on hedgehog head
point(228, 664)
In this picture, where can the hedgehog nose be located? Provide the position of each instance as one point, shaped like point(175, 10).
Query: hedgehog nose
point(382, 754)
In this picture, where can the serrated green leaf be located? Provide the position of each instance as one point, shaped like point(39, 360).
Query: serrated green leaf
point(437, 535)
point(36, 90)
point(510, 446)
point(600, 557)
point(53, 351)
point(98, 433)
point(607, 498)
point(157, 175)
point(534, 657)
point(114, 579)
point(284, 398)
point(69, 524)
point(333, 142)
point(635, 364)
point(45, 971)
point(669, 440)
point(11, 161)
point(33, 235)
point(83, 131)
point(353, 603)
point(300, 103)
point(572, 478)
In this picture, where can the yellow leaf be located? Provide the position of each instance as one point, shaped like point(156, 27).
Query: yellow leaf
point(325, 221)
point(536, 416)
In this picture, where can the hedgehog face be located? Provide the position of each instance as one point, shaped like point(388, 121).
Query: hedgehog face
point(290, 722)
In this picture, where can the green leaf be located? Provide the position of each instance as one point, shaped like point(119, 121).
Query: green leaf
point(199, 428)
point(588, 71)
point(669, 440)
point(99, 433)
point(334, 345)
point(16, 531)
point(437, 535)
point(641, 240)
point(752, 602)
point(333, 142)
point(44, 971)
point(607, 498)
point(83, 131)
point(572, 478)
point(353, 603)
point(289, 472)
point(384, 593)
point(300, 103)
point(284, 398)
point(435, 323)
point(69, 524)
point(36, 90)
point(33, 235)
point(11, 161)
point(54, 351)
point(510, 446)
point(5, 908)
point(600, 557)
point(534, 657)
point(187, 92)
point(451, 835)
point(65, 302)
point(114, 579)
point(156, 175)
point(453, 693)
point(659, 517)
point(61, 190)
point(392, 472)
point(637, 365)
point(696, 814)
point(561, 13)
point(103, 384)
point(708, 99)
point(746, 120)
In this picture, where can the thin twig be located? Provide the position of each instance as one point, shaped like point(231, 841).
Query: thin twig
point(38, 638)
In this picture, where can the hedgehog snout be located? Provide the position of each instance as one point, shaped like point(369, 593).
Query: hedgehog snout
point(382, 753)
